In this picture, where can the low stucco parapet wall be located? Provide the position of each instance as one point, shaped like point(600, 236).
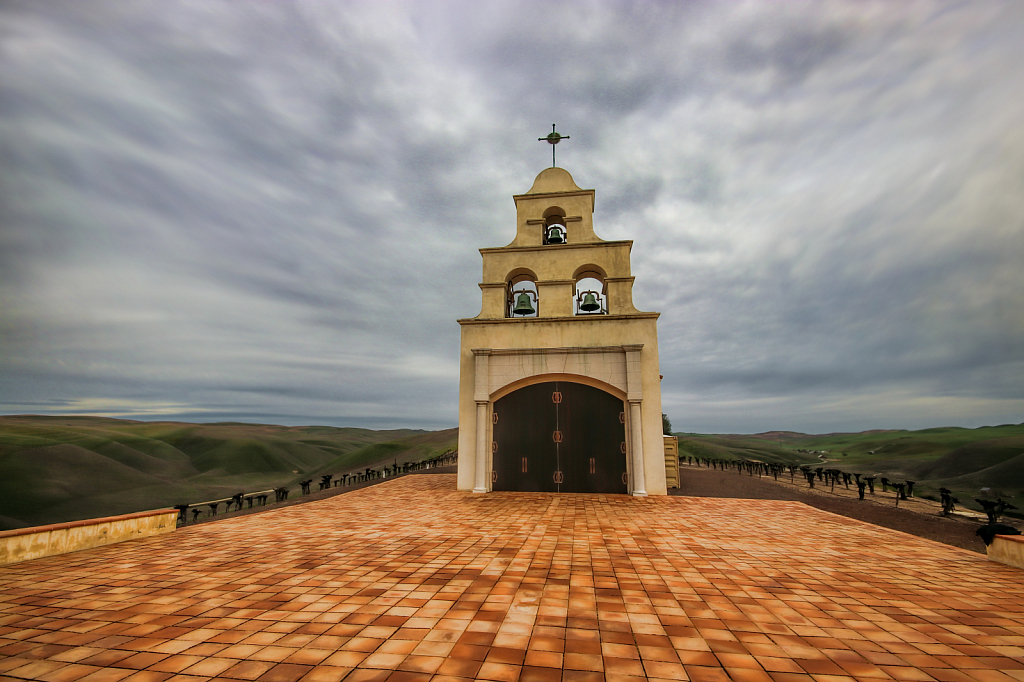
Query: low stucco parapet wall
point(23, 544)
point(1007, 549)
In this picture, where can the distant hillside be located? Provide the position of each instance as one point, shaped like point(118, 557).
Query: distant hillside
point(963, 460)
point(973, 458)
point(55, 469)
point(777, 448)
point(410, 449)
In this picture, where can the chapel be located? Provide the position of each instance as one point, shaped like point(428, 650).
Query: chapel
point(559, 386)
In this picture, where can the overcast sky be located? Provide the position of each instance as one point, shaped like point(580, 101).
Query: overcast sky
point(270, 211)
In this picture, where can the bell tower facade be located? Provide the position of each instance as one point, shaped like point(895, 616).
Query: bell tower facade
point(559, 385)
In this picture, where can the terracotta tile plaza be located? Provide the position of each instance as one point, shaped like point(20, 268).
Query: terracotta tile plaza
point(413, 580)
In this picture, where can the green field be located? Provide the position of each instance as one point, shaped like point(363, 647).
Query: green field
point(963, 460)
point(55, 469)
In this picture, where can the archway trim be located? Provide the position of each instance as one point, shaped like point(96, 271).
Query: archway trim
point(557, 376)
point(609, 367)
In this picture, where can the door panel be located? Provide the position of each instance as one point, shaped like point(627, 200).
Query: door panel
point(559, 437)
point(523, 434)
point(594, 460)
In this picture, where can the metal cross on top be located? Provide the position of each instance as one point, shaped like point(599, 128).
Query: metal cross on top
point(553, 138)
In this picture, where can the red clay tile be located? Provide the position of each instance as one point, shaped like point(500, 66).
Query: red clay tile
point(368, 675)
point(664, 670)
point(175, 664)
point(384, 661)
point(593, 662)
point(791, 677)
point(421, 664)
point(309, 656)
point(108, 675)
point(427, 648)
point(364, 644)
point(578, 646)
point(408, 676)
point(147, 676)
point(72, 671)
point(459, 667)
point(325, 674)
point(543, 659)
point(247, 670)
point(542, 674)
point(623, 666)
point(500, 672)
point(502, 655)
point(345, 659)
point(397, 646)
point(210, 667)
point(473, 652)
point(947, 675)
point(476, 638)
point(285, 672)
point(700, 658)
point(108, 657)
point(698, 673)
point(582, 676)
point(553, 583)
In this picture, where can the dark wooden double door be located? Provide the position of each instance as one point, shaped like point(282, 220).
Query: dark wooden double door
point(559, 437)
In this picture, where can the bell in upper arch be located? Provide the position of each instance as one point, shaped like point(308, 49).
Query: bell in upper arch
point(590, 303)
point(556, 234)
point(523, 305)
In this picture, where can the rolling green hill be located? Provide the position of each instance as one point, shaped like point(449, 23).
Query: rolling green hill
point(55, 469)
point(411, 449)
point(963, 460)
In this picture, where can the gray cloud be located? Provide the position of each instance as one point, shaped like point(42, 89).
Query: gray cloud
point(272, 211)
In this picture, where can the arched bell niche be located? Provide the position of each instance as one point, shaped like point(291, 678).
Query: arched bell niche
point(554, 226)
point(522, 298)
point(590, 294)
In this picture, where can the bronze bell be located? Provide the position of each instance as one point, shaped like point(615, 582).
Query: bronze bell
point(556, 234)
point(523, 305)
point(590, 303)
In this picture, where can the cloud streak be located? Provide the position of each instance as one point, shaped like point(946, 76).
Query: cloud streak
point(272, 211)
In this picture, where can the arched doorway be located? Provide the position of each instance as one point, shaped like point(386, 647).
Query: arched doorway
point(559, 436)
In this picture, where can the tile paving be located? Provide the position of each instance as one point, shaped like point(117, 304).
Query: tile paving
point(411, 580)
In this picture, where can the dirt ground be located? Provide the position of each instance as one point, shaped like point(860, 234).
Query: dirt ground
point(917, 517)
